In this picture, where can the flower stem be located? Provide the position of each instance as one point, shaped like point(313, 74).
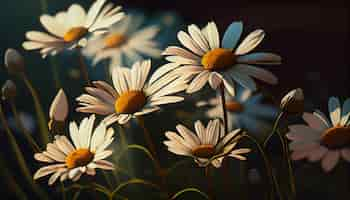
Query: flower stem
point(63, 191)
point(39, 111)
point(273, 180)
point(26, 133)
point(152, 148)
point(291, 175)
point(19, 156)
point(55, 72)
point(124, 146)
point(274, 128)
point(83, 67)
point(209, 181)
point(223, 103)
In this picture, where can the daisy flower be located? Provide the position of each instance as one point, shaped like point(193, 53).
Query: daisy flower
point(208, 61)
point(323, 140)
point(87, 153)
point(131, 95)
point(243, 111)
point(68, 29)
point(126, 42)
point(207, 143)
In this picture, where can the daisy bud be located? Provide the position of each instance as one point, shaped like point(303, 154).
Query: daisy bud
point(9, 90)
point(293, 102)
point(59, 107)
point(14, 61)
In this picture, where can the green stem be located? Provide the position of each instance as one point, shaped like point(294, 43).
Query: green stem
point(44, 134)
point(43, 5)
point(210, 182)
point(26, 133)
point(223, 104)
point(124, 146)
point(18, 155)
point(291, 175)
point(53, 63)
point(63, 191)
point(55, 72)
point(109, 183)
point(11, 184)
point(152, 148)
point(269, 171)
point(274, 128)
point(83, 67)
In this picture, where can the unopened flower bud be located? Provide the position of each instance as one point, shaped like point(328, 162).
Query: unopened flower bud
point(14, 61)
point(59, 107)
point(9, 90)
point(293, 102)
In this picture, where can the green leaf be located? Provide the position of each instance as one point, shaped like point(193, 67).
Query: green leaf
point(181, 192)
point(132, 182)
point(139, 148)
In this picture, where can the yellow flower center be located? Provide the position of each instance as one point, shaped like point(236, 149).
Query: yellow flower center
point(336, 137)
point(204, 151)
point(79, 157)
point(234, 106)
point(75, 34)
point(114, 40)
point(129, 102)
point(218, 59)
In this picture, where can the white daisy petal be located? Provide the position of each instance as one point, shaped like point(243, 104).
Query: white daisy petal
point(315, 122)
point(257, 73)
point(244, 80)
point(260, 58)
point(345, 112)
point(213, 35)
point(334, 110)
point(187, 41)
point(198, 82)
point(215, 79)
point(51, 25)
point(250, 42)
point(232, 35)
point(93, 12)
point(330, 160)
point(345, 153)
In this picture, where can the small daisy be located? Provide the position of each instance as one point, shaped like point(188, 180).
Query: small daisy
point(126, 42)
point(68, 29)
point(87, 153)
point(131, 95)
point(211, 62)
point(323, 140)
point(243, 111)
point(206, 144)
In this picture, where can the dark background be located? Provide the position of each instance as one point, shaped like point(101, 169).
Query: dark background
point(311, 36)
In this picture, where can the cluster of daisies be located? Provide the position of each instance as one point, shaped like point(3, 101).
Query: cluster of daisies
point(104, 32)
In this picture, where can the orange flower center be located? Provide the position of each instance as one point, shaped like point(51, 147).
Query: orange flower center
point(336, 137)
point(75, 34)
point(234, 106)
point(204, 151)
point(114, 40)
point(79, 157)
point(218, 59)
point(130, 102)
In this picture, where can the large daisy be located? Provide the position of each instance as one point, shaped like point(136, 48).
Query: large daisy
point(208, 61)
point(126, 42)
point(87, 153)
point(323, 140)
point(244, 111)
point(131, 95)
point(208, 143)
point(68, 29)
